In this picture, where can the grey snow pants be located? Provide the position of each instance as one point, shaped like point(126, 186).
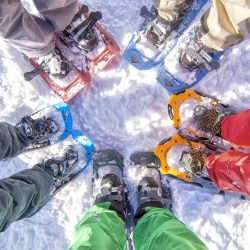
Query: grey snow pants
point(30, 34)
point(24, 193)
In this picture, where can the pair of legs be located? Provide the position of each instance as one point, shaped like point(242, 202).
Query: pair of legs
point(104, 225)
point(24, 193)
point(157, 228)
point(30, 34)
point(226, 23)
point(230, 171)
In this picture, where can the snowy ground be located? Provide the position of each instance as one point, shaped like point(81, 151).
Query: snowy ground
point(123, 108)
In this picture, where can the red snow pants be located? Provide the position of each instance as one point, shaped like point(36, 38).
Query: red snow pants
point(230, 171)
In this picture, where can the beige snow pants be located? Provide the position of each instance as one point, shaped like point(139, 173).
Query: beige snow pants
point(226, 23)
point(30, 34)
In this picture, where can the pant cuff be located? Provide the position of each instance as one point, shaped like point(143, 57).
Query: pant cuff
point(141, 209)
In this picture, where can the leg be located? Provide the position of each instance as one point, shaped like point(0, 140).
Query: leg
point(167, 9)
point(13, 141)
point(230, 171)
point(160, 229)
point(226, 23)
point(100, 228)
point(29, 34)
point(156, 227)
point(103, 226)
point(59, 13)
point(23, 194)
point(232, 132)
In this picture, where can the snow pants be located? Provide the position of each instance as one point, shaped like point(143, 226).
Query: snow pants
point(226, 23)
point(24, 193)
point(102, 229)
point(30, 34)
point(230, 171)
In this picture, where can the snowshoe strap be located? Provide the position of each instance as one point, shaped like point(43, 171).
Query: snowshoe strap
point(89, 24)
point(199, 158)
point(59, 169)
point(112, 193)
point(200, 57)
point(83, 10)
point(38, 129)
point(148, 15)
point(43, 66)
point(147, 194)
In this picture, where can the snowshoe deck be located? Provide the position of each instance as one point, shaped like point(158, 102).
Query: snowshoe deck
point(82, 141)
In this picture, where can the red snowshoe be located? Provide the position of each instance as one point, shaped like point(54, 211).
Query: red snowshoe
point(86, 46)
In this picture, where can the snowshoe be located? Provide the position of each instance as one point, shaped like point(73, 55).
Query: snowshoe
point(108, 181)
point(87, 47)
point(155, 38)
point(71, 159)
point(47, 126)
point(207, 116)
point(152, 189)
point(191, 167)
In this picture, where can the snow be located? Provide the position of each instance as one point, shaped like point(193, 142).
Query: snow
point(126, 109)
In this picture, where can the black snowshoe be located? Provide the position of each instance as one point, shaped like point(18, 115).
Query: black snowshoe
point(152, 190)
point(108, 180)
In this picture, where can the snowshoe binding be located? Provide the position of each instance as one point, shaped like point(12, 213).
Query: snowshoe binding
point(38, 130)
point(47, 126)
point(152, 189)
point(81, 29)
point(68, 160)
point(86, 38)
point(191, 59)
point(197, 55)
point(54, 64)
point(159, 29)
point(108, 180)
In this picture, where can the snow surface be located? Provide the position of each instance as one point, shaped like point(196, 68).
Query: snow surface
point(123, 108)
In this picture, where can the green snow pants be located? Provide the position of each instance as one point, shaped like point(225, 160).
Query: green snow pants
point(102, 229)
